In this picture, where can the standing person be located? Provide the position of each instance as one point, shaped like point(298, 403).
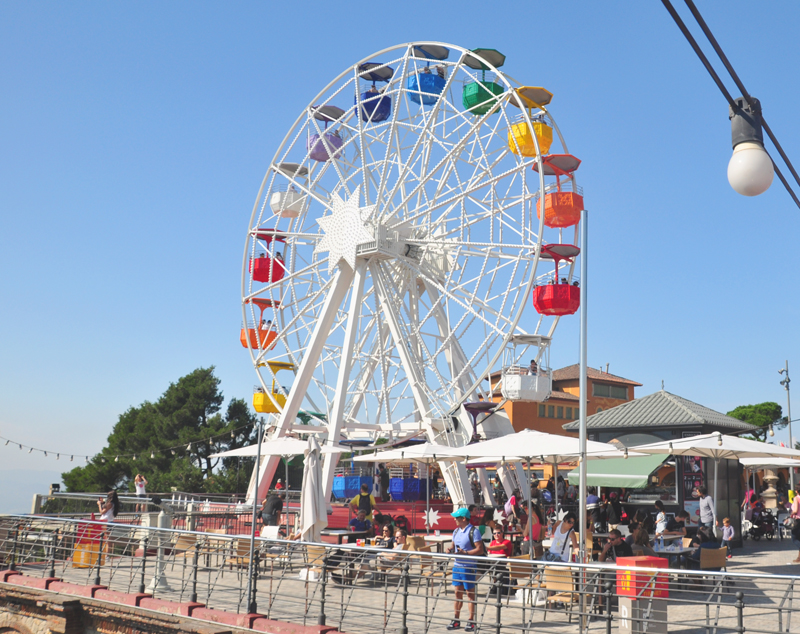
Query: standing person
point(561, 488)
point(140, 483)
point(613, 511)
point(467, 540)
point(279, 485)
point(271, 510)
point(536, 526)
point(708, 516)
point(384, 482)
point(364, 501)
point(727, 534)
point(109, 508)
point(661, 518)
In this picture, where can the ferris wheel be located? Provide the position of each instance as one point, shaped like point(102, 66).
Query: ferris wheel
point(394, 246)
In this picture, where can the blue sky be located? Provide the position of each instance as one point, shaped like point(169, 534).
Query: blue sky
point(135, 136)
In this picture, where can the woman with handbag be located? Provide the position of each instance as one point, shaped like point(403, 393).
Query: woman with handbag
point(563, 537)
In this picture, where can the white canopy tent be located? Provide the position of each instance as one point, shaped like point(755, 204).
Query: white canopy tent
point(535, 445)
point(718, 446)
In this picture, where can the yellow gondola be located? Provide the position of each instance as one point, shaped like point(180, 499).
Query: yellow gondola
point(520, 135)
point(272, 403)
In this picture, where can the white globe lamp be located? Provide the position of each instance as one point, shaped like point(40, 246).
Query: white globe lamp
point(750, 170)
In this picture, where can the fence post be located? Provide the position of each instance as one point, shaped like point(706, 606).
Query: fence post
point(321, 619)
point(404, 625)
point(13, 565)
point(52, 572)
point(608, 607)
point(99, 557)
point(498, 588)
point(252, 607)
point(144, 563)
point(740, 612)
point(193, 598)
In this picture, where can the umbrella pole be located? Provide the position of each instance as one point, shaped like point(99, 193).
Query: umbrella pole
point(530, 513)
point(428, 498)
point(716, 483)
point(251, 604)
point(286, 495)
point(555, 486)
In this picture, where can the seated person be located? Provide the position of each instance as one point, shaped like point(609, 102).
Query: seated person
point(500, 546)
point(642, 545)
point(385, 539)
point(388, 561)
point(615, 547)
point(359, 523)
point(703, 539)
point(677, 525)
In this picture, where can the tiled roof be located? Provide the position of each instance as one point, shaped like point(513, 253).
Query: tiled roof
point(562, 396)
point(573, 372)
point(660, 409)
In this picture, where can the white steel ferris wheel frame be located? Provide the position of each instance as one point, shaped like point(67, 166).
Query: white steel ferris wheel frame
point(420, 231)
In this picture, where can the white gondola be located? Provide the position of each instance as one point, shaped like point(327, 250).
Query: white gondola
point(532, 382)
point(287, 200)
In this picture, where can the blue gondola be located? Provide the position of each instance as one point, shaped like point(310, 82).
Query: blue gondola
point(425, 86)
point(375, 106)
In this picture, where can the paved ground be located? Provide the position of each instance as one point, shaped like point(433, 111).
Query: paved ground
point(375, 604)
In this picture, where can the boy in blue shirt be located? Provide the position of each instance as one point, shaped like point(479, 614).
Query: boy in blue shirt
point(467, 540)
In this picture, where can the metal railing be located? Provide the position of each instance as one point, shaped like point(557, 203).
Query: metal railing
point(370, 590)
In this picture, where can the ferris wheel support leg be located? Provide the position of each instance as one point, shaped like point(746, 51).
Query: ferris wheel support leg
point(507, 479)
point(486, 487)
point(340, 286)
point(335, 420)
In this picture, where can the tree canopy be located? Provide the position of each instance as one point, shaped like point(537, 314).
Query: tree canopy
point(762, 415)
point(169, 442)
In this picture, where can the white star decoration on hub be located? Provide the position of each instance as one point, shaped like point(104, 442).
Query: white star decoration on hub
point(344, 229)
point(432, 518)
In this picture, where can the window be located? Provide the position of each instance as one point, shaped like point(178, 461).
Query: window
point(610, 391)
point(559, 412)
point(551, 411)
point(541, 411)
point(569, 413)
point(599, 409)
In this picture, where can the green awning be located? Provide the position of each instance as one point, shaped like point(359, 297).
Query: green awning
point(627, 473)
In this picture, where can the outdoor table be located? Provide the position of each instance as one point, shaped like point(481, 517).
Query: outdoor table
point(340, 534)
point(673, 554)
point(439, 540)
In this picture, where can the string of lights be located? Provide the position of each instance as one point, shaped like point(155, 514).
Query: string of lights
point(752, 103)
point(231, 434)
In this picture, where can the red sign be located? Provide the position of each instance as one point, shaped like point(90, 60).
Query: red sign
point(644, 584)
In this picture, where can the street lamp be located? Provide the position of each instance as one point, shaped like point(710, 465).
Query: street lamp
point(750, 169)
point(785, 383)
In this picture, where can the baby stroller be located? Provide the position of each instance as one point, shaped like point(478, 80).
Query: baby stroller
point(764, 524)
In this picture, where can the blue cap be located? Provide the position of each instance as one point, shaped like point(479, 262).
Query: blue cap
point(462, 512)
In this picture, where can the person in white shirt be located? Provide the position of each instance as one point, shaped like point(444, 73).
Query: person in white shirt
point(140, 483)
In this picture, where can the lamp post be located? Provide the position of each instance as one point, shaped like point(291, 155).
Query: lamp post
point(785, 383)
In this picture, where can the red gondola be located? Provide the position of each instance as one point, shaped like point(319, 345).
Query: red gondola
point(558, 297)
point(265, 268)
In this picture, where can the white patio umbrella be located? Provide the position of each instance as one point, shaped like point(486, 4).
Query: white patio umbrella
point(313, 509)
point(424, 453)
point(287, 448)
point(533, 445)
point(717, 446)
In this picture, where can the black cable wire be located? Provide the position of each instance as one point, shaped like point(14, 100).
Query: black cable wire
point(739, 84)
point(698, 51)
point(702, 57)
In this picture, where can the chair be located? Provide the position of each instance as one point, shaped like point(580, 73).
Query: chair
point(239, 555)
point(415, 542)
point(714, 559)
point(561, 583)
point(686, 542)
point(431, 568)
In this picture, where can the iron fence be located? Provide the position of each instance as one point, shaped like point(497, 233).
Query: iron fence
point(359, 589)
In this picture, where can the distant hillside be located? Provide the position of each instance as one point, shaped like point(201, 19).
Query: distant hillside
point(17, 488)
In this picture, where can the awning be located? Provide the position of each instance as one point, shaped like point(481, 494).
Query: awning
point(627, 473)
